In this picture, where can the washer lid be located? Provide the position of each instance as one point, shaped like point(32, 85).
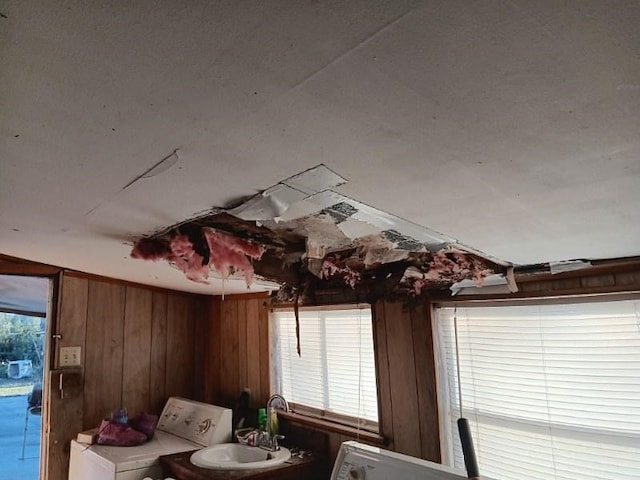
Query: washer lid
point(140, 456)
point(357, 461)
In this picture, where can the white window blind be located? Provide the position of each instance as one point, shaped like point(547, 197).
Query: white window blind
point(336, 372)
point(550, 391)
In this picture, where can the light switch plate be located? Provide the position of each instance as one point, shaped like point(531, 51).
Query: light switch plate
point(70, 356)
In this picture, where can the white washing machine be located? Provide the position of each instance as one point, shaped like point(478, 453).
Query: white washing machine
point(357, 461)
point(184, 425)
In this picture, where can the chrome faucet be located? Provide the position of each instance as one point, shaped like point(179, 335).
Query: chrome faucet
point(279, 401)
point(269, 440)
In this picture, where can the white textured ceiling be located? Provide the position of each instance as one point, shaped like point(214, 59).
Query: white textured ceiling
point(512, 126)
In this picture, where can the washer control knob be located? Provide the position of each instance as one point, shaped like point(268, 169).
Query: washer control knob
point(204, 426)
point(357, 473)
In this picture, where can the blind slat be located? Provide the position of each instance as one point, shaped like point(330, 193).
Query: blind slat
point(336, 371)
point(550, 391)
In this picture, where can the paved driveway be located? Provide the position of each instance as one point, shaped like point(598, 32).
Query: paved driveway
point(12, 423)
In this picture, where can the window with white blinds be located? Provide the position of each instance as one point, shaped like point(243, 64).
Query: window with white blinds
point(551, 391)
point(334, 377)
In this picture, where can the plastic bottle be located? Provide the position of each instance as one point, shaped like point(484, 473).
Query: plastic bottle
point(273, 421)
point(262, 419)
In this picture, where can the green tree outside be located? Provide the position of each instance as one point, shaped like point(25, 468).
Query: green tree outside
point(21, 338)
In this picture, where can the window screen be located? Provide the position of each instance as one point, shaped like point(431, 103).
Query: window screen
point(335, 374)
point(550, 391)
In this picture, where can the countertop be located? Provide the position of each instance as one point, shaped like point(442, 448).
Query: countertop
point(309, 468)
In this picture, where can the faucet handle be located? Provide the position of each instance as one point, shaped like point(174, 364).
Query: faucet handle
point(275, 439)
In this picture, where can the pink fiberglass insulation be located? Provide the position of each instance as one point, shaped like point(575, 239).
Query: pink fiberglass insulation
point(453, 265)
point(178, 251)
point(185, 258)
point(329, 269)
point(181, 246)
point(229, 254)
point(446, 266)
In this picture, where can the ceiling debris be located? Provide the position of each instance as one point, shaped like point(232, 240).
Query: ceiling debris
point(307, 237)
point(568, 266)
point(492, 284)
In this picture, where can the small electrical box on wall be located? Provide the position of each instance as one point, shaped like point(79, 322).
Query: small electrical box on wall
point(70, 356)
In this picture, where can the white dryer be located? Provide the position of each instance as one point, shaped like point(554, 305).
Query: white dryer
point(184, 425)
point(357, 461)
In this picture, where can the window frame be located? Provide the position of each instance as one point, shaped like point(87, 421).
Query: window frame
point(312, 416)
point(441, 377)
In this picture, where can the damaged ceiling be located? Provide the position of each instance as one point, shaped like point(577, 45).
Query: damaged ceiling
point(304, 236)
point(510, 127)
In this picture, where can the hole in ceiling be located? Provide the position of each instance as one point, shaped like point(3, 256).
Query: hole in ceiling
point(308, 238)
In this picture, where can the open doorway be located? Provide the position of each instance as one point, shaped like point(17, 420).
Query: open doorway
point(23, 336)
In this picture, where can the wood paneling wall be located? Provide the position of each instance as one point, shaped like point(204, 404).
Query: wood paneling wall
point(406, 373)
point(139, 347)
point(404, 357)
point(238, 353)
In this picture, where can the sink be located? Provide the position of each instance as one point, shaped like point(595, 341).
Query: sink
point(234, 456)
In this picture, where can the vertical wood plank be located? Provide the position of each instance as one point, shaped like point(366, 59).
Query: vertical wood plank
point(238, 349)
point(242, 346)
point(104, 351)
point(214, 353)
point(402, 380)
point(158, 360)
point(626, 279)
point(137, 350)
point(254, 364)
point(385, 406)
point(565, 284)
point(425, 381)
point(265, 354)
point(201, 332)
point(180, 344)
point(598, 281)
point(229, 368)
point(72, 321)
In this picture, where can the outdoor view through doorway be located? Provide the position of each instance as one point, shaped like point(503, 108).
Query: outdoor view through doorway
point(22, 364)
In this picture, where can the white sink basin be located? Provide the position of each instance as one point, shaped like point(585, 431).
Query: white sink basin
point(234, 456)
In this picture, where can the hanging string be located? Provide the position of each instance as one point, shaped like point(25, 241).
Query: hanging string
point(470, 460)
point(359, 371)
point(455, 333)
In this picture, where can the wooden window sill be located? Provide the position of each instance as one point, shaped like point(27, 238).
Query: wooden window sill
point(320, 424)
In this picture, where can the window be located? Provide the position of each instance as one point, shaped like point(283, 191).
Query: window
point(334, 377)
point(551, 391)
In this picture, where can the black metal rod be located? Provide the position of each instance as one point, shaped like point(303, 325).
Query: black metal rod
point(470, 460)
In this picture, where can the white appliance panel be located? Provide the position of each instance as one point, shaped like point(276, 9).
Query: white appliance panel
point(184, 425)
point(195, 421)
point(357, 461)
